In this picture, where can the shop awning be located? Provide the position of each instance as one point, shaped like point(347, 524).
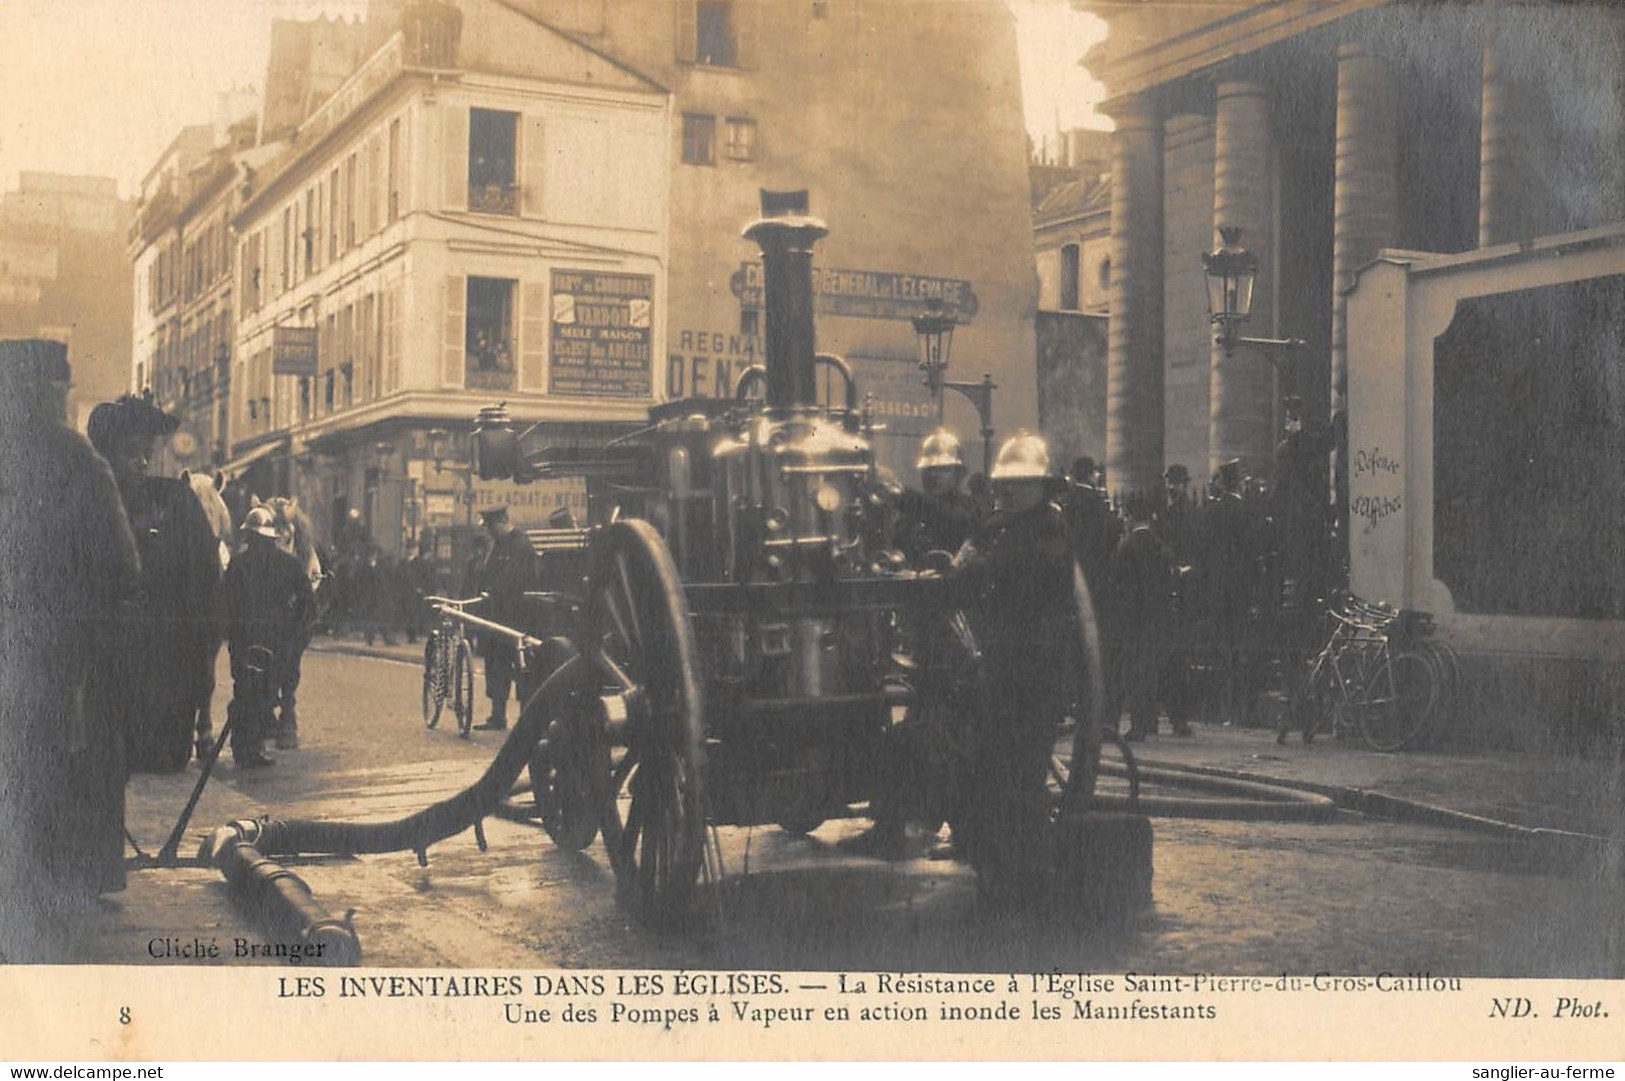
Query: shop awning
point(249, 457)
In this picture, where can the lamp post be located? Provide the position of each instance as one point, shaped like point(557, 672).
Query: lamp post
point(934, 332)
point(1231, 271)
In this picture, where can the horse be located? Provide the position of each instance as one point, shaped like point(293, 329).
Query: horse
point(207, 491)
point(172, 635)
point(297, 536)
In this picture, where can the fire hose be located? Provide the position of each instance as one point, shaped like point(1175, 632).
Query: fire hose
point(241, 850)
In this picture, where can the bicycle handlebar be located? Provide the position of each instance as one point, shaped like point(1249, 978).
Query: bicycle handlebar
point(447, 602)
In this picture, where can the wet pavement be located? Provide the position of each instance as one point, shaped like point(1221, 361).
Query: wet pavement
point(1358, 893)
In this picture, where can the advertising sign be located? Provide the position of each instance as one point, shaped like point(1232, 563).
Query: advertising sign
point(868, 294)
point(602, 334)
point(293, 351)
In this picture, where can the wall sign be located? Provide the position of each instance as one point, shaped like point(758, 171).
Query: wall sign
point(293, 351)
point(868, 294)
point(602, 335)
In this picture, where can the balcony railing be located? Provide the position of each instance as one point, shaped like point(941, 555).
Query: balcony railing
point(494, 199)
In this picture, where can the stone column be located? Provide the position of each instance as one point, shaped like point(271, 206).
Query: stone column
point(1365, 212)
point(1511, 190)
point(1134, 337)
point(1365, 219)
point(1241, 388)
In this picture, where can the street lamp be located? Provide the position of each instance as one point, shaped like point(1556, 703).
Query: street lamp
point(935, 334)
point(1231, 272)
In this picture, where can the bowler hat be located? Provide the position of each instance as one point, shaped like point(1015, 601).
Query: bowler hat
point(491, 514)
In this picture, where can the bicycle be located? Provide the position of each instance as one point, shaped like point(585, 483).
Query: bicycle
point(448, 667)
point(1377, 676)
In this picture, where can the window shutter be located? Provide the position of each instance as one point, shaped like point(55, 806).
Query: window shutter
point(747, 15)
point(687, 30)
point(392, 339)
point(454, 146)
point(455, 333)
point(533, 169)
point(533, 338)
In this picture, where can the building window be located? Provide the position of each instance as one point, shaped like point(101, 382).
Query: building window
point(349, 203)
point(699, 139)
point(714, 41)
point(1069, 278)
point(492, 149)
point(489, 339)
point(333, 214)
point(741, 145)
point(1105, 274)
point(393, 211)
point(307, 237)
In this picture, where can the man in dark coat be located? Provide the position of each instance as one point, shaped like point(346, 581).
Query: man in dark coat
point(1089, 519)
point(1229, 574)
point(69, 560)
point(265, 604)
point(509, 570)
point(1019, 569)
point(166, 653)
point(1141, 605)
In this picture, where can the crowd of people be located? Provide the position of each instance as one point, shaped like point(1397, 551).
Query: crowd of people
point(1204, 597)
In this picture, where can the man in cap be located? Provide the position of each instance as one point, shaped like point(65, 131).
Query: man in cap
point(69, 559)
point(940, 516)
point(169, 648)
point(1019, 566)
point(508, 571)
point(265, 603)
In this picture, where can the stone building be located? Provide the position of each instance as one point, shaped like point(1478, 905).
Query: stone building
point(1470, 157)
point(1072, 250)
point(62, 276)
point(904, 122)
point(182, 249)
point(1327, 130)
point(477, 213)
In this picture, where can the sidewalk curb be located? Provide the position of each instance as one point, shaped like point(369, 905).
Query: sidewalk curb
point(1367, 801)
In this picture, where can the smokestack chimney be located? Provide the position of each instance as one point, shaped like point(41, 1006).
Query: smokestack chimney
point(786, 234)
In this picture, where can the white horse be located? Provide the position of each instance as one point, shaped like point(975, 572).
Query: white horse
point(206, 489)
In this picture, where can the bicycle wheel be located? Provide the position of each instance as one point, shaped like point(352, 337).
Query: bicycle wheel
point(1399, 714)
point(463, 687)
point(1448, 671)
point(1309, 706)
point(434, 686)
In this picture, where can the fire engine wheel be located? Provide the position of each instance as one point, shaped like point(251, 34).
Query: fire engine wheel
point(640, 639)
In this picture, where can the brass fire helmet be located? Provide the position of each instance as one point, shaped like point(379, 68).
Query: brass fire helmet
point(941, 450)
point(1024, 456)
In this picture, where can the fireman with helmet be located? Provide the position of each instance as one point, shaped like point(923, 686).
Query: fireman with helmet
point(1020, 567)
point(939, 516)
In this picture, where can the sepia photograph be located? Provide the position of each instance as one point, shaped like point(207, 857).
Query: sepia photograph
point(813, 528)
